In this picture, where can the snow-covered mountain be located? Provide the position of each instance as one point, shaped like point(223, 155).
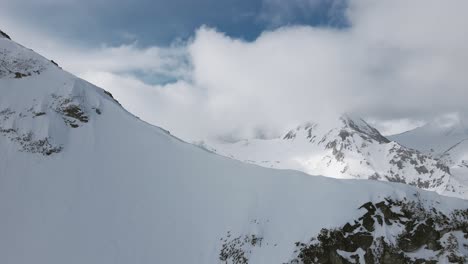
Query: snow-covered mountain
point(347, 148)
point(84, 181)
point(435, 137)
point(445, 139)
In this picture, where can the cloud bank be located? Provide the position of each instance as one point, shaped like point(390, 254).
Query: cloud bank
point(398, 61)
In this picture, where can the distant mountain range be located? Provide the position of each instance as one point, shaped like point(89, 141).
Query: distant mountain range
point(350, 148)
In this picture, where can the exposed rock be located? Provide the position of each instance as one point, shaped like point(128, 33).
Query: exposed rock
point(29, 144)
point(3, 34)
point(110, 95)
point(418, 228)
point(365, 130)
point(290, 135)
point(71, 110)
point(237, 250)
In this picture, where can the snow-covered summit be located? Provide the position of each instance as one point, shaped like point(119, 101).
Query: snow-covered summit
point(346, 148)
point(348, 125)
point(41, 104)
point(358, 125)
point(84, 181)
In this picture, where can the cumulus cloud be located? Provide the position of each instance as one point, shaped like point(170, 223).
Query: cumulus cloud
point(398, 64)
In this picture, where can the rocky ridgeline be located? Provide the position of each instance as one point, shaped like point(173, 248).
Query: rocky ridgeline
point(14, 63)
point(346, 148)
point(357, 138)
point(418, 235)
point(354, 149)
point(387, 232)
point(432, 171)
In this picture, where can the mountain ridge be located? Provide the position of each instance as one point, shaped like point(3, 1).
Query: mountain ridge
point(349, 148)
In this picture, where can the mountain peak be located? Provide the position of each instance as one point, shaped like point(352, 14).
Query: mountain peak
point(347, 125)
point(41, 104)
point(346, 147)
point(359, 125)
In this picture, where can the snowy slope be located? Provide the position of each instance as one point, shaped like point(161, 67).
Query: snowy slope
point(445, 139)
point(84, 181)
point(349, 148)
point(435, 137)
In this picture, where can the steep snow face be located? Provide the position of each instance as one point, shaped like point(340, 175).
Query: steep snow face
point(84, 181)
point(350, 149)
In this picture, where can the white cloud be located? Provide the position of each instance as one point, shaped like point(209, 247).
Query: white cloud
point(399, 63)
point(395, 126)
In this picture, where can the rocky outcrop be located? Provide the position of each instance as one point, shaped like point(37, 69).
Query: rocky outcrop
point(442, 238)
point(236, 250)
point(3, 34)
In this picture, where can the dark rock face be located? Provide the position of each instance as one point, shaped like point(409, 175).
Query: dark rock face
point(387, 232)
point(71, 110)
point(290, 135)
point(365, 130)
point(75, 112)
point(111, 96)
point(308, 127)
point(55, 63)
point(417, 228)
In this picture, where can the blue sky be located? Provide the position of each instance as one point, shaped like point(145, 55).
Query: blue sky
point(161, 22)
